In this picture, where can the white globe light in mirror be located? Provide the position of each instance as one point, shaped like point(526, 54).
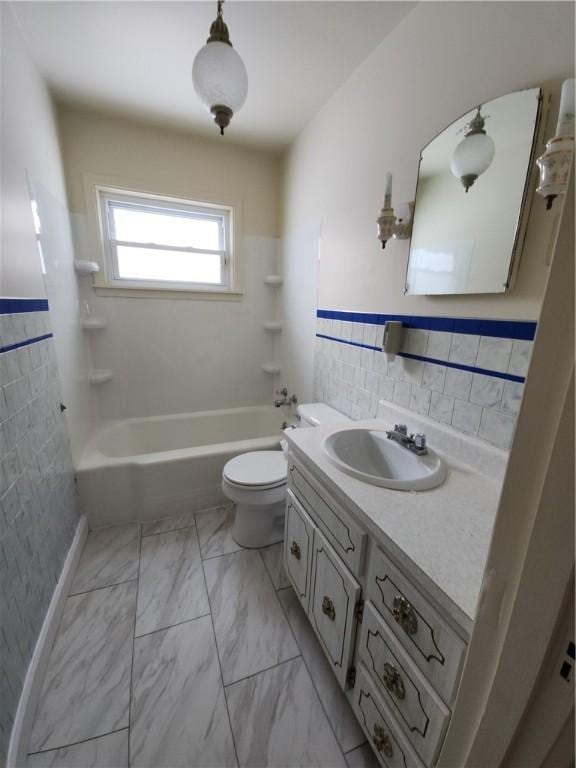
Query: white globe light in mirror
point(474, 154)
point(219, 75)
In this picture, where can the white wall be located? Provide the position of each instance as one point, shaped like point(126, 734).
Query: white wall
point(177, 355)
point(439, 62)
point(31, 151)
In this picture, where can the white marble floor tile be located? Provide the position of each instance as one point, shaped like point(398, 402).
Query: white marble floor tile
point(362, 757)
point(171, 587)
point(214, 526)
point(274, 561)
point(87, 684)
point(110, 751)
point(110, 556)
point(178, 715)
point(173, 523)
point(251, 630)
point(277, 720)
point(336, 705)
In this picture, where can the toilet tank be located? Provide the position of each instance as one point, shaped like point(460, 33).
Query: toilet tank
point(319, 414)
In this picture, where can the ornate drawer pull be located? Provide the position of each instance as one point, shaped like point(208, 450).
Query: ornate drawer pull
point(295, 550)
point(328, 608)
point(404, 614)
point(393, 681)
point(382, 741)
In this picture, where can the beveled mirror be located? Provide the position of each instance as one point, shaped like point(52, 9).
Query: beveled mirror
point(472, 188)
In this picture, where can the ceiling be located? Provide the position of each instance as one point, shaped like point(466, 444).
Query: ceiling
point(136, 57)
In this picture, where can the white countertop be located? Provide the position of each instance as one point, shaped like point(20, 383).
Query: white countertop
point(445, 532)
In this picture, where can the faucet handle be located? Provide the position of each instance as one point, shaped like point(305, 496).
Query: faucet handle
point(283, 392)
point(402, 429)
point(420, 441)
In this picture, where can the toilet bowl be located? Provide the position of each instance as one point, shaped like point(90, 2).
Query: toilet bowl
point(256, 483)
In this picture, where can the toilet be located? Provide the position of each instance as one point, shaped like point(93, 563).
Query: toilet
point(256, 483)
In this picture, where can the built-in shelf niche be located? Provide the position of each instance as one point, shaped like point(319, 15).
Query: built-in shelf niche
point(99, 376)
point(271, 368)
point(274, 281)
point(84, 267)
point(273, 326)
point(93, 323)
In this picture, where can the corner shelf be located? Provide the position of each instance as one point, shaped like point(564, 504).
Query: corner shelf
point(275, 281)
point(83, 267)
point(93, 323)
point(99, 376)
point(272, 326)
point(271, 368)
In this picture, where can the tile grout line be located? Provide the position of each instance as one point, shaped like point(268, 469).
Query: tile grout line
point(105, 586)
point(261, 671)
point(133, 644)
point(170, 530)
point(170, 626)
point(217, 649)
point(75, 743)
point(312, 679)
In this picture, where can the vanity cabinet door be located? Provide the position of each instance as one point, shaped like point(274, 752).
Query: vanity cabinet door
point(417, 707)
point(386, 739)
point(298, 548)
point(347, 538)
point(334, 595)
point(298, 540)
point(429, 640)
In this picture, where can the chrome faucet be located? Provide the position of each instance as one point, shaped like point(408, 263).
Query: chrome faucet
point(415, 443)
point(286, 399)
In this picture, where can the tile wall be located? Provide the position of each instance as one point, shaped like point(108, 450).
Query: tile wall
point(465, 373)
point(38, 511)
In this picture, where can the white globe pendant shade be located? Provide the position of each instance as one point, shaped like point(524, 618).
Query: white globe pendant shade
point(219, 76)
point(472, 156)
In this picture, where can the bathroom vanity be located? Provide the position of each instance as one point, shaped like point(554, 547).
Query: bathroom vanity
point(390, 581)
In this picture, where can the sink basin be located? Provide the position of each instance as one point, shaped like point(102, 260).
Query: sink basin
point(369, 455)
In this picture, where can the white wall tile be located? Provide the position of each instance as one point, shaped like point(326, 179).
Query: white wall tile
point(370, 334)
point(441, 407)
point(401, 394)
point(497, 427)
point(466, 416)
point(458, 383)
point(438, 346)
point(464, 348)
point(415, 341)
point(520, 357)
point(413, 370)
point(396, 368)
point(512, 396)
point(386, 388)
point(434, 376)
point(494, 353)
point(380, 363)
point(486, 390)
point(367, 359)
point(420, 400)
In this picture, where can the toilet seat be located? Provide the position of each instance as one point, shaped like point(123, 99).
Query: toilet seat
point(257, 470)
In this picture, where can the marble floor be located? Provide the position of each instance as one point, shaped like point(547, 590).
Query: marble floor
point(177, 647)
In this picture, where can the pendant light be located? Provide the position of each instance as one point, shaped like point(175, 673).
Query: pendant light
point(219, 75)
point(474, 153)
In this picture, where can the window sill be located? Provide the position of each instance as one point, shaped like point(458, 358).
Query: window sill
point(159, 293)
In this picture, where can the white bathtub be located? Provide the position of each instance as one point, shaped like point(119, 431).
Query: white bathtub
point(144, 469)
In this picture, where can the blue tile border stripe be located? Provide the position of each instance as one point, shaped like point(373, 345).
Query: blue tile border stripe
point(17, 306)
point(433, 360)
point(504, 329)
point(26, 343)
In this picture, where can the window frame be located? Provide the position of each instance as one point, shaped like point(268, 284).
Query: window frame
point(172, 205)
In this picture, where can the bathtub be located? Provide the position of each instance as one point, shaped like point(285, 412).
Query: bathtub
point(145, 469)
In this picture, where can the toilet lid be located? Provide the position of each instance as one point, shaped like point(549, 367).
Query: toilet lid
point(258, 468)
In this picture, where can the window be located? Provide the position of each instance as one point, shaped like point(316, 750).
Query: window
point(165, 244)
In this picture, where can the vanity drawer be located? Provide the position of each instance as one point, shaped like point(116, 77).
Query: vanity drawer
point(334, 595)
point(435, 647)
point(419, 710)
point(343, 534)
point(387, 740)
point(298, 541)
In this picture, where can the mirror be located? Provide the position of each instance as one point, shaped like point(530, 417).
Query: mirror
point(464, 239)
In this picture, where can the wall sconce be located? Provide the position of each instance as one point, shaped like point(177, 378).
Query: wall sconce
point(389, 225)
point(557, 160)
